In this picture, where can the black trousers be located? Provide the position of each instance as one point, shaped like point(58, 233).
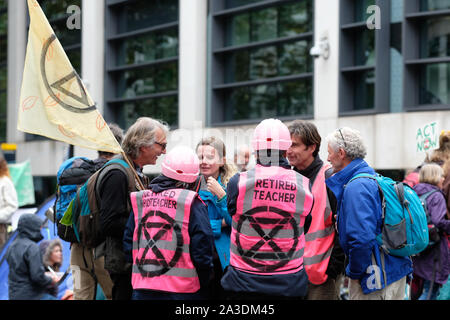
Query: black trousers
point(122, 289)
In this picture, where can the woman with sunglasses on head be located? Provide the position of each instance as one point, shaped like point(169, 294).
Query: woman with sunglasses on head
point(215, 174)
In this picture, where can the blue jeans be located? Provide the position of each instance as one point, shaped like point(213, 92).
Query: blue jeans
point(48, 296)
point(426, 289)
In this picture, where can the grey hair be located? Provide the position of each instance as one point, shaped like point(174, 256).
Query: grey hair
point(116, 131)
point(350, 141)
point(431, 173)
point(142, 134)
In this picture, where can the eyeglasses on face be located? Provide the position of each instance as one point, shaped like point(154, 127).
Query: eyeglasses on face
point(163, 145)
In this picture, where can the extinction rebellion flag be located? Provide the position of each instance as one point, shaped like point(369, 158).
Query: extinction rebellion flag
point(53, 100)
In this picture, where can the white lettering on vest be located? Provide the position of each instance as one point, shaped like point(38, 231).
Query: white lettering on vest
point(288, 197)
point(273, 196)
point(157, 199)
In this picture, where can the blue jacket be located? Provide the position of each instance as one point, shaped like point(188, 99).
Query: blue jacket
point(359, 222)
point(217, 211)
point(234, 280)
point(200, 247)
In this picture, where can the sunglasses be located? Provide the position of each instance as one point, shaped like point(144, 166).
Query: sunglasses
point(342, 136)
point(163, 145)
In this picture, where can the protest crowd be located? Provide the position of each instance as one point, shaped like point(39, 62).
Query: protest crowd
point(289, 227)
point(286, 226)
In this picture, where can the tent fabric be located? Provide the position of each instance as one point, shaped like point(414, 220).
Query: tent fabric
point(49, 233)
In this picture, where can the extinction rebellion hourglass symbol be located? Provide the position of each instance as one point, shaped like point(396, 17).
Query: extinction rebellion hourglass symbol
point(281, 256)
point(168, 225)
point(58, 84)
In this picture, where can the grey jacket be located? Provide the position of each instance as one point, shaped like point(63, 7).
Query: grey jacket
point(27, 279)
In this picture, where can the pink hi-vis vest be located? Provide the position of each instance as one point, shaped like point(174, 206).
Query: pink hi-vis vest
point(161, 256)
point(320, 237)
point(267, 231)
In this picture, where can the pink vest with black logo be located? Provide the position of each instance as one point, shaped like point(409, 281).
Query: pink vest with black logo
point(267, 233)
point(161, 256)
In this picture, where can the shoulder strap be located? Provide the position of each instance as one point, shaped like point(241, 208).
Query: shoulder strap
point(365, 175)
point(426, 195)
point(400, 191)
point(115, 164)
point(362, 175)
point(383, 200)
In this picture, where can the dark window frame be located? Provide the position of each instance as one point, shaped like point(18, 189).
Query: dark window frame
point(413, 62)
point(348, 70)
point(114, 105)
point(216, 84)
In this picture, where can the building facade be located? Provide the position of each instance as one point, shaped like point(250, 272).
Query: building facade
point(221, 66)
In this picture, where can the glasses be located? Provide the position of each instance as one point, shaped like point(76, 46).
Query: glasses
point(162, 145)
point(342, 136)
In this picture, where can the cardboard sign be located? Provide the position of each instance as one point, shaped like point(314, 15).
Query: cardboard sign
point(427, 137)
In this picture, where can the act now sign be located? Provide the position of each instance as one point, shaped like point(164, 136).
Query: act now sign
point(427, 137)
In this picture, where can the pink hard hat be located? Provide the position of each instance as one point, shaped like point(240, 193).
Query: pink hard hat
point(271, 134)
point(182, 164)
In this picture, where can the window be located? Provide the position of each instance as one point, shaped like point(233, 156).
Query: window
point(432, 5)
point(364, 90)
point(144, 14)
point(435, 38)
point(261, 65)
point(142, 61)
point(3, 67)
point(238, 3)
point(360, 9)
point(364, 59)
point(435, 84)
point(427, 55)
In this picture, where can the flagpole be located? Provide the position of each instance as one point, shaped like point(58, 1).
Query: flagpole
point(134, 171)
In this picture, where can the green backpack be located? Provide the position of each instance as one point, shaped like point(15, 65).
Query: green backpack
point(83, 212)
